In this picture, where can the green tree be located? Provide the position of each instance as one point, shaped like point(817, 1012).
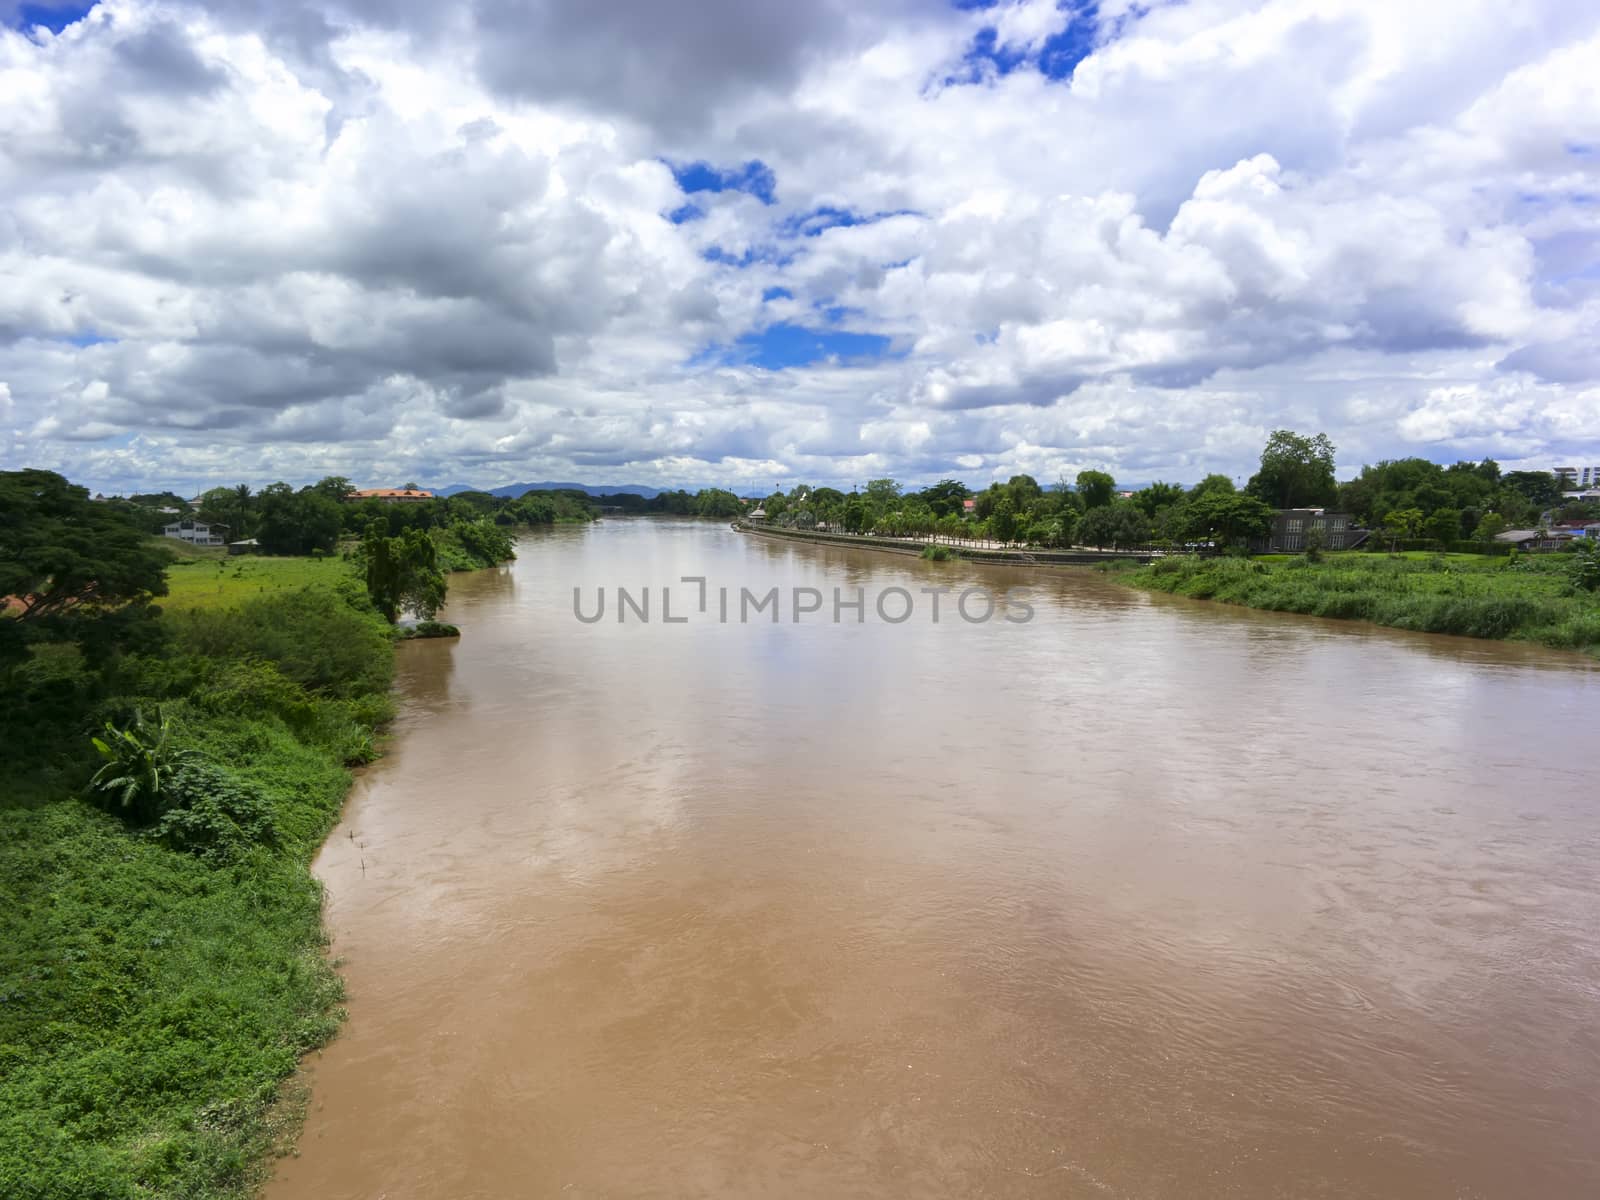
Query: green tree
point(945, 497)
point(1003, 520)
point(1156, 496)
point(334, 487)
point(1295, 471)
point(68, 563)
point(1444, 526)
point(1225, 518)
point(402, 573)
point(1402, 523)
point(717, 503)
point(1210, 485)
point(1129, 525)
point(1096, 488)
point(1097, 527)
point(1539, 488)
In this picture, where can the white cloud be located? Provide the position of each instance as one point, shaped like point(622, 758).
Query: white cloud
point(392, 240)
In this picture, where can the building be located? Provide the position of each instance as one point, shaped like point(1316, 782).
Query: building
point(247, 546)
point(1567, 477)
point(196, 533)
point(1536, 539)
point(1292, 526)
point(969, 508)
point(392, 495)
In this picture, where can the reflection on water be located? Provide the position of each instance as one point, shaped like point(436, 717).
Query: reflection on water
point(1143, 898)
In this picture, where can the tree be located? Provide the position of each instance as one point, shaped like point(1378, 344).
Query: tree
point(1129, 525)
point(1211, 484)
point(1157, 496)
point(1444, 526)
point(1295, 471)
point(717, 503)
point(67, 562)
point(1491, 526)
point(1539, 488)
point(1003, 520)
point(334, 487)
point(1095, 487)
point(1403, 523)
point(1097, 527)
point(1225, 518)
point(402, 573)
point(945, 497)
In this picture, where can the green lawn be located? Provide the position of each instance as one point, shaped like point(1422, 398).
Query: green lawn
point(203, 578)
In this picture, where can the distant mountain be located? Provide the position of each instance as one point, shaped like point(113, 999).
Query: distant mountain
point(513, 490)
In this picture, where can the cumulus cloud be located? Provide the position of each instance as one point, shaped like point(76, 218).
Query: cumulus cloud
point(452, 242)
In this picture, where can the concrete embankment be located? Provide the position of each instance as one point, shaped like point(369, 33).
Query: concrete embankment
point(1034, 558)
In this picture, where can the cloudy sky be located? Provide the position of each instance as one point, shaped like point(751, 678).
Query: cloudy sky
point(755, 242)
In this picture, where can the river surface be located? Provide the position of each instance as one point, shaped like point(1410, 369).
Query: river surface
point(1143, 897)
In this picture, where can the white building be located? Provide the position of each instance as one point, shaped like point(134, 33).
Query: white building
point(196, 533)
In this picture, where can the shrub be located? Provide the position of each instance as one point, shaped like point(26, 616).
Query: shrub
point(318, 638)
point(214, 815)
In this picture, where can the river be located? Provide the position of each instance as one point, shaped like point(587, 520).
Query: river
point(1142, 897)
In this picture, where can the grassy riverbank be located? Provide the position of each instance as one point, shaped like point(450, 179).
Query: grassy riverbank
point(159, 980)
point(1526, 599)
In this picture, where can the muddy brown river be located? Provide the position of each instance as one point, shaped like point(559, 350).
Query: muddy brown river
point(1141, 898)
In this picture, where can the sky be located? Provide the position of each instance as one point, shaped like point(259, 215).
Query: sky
point(756, 243)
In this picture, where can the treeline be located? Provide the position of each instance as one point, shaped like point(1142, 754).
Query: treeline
point(711, 503)
point(313, 519)
point(1406, 499)
point(164, 781)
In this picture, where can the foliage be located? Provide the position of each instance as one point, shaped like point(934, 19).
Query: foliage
point(938, 553)
point(716, 503)
point(1486, 598)
point(1225, 518)
point(467, 545)
point(431, 629)
point(140, 763)
point(320, 639)
point(1095, 487)
point(1584, 567)
point(157, 986)
point(66, 560)
point(214, 814)
point(402, 573)
point(1295, 471)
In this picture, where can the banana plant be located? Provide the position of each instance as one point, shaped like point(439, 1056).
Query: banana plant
point(139, 765)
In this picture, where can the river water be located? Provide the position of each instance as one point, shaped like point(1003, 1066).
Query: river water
point(1142, 897)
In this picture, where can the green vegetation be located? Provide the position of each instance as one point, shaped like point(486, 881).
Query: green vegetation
point(200, 578)
point(165, 778)
point(938, 553)
point(1536, 598)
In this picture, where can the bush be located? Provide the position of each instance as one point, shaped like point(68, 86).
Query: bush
point(321, 639)
point(215, 815)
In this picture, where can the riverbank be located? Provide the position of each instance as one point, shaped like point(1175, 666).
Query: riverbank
point(1078, 557)
point(1523, 599)
point(160, 979)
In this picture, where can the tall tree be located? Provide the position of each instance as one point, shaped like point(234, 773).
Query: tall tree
point(1096, 488)
point(1295, 471)
point(402, 573)
point(66, 562)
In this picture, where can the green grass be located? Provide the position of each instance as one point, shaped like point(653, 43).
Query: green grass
point(153, 1000)
point(1526, 599)
point(210, 579)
